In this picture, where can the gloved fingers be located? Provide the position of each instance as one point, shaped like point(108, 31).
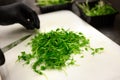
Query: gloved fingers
point(27, 24)
point(31, 16)
point(36, 20)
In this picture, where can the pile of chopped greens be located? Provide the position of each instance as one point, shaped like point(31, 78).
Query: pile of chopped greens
point(51, 2)
point(101, 8)
point(53, 50)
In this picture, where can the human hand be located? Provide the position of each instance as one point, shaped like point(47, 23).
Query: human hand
point(19, 13)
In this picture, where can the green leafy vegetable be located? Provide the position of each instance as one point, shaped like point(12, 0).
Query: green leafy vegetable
point(51, 2)
point(53, 50)
point(99, 9)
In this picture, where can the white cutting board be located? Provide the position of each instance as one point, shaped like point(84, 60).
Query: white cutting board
point(11, 33)
point(104, 66)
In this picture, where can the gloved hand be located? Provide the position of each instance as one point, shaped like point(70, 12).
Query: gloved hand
point(19, 13)
point(2, 58)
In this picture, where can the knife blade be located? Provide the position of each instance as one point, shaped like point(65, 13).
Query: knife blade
point(15, 43)
point(10, 46)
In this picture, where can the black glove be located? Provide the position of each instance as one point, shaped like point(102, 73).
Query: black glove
point(2, 58)
point(19, 13)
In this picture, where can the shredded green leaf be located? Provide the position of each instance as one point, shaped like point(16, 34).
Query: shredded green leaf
point(53, 50)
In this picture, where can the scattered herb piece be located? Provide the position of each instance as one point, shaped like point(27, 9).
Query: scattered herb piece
point(53, 50)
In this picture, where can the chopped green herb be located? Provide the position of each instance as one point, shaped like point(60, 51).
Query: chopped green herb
point(53, 50)
point(96, 50)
